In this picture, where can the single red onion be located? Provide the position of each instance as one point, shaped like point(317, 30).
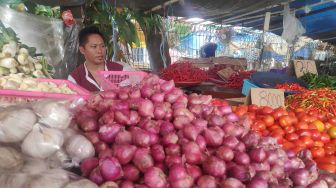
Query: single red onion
point(110, 169)
point(257, 182)
point(123, 137)
point(107, 133)
point(173, 149)
point(141, 137)
point(230, 141)
point(92, 136)
point(131, 173)
point(87, 165)
point(225, 153)
point(214, 166)
point(100, 146)
point(206, 182)
point(96, 177)
point(166, 127)
point(214, 136)
point(232, 183)
point(155, 178)
point(190, 132)
point(142, 159)
point(158, 153)
point(124, 153)
point(192, 153)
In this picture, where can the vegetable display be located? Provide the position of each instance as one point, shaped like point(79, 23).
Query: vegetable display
point(297, 131)
point(319, 81)
point(236, 80)
point(20, 82)
point(291, 87)
point(154, 135)
point(183, 72)
point(16, 57)
point(321, 101)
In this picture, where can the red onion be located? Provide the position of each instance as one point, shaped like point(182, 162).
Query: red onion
point(190, 132)
point(123, 95)
point(240, 173)
point(206, 182)
point(192, 153)
point(146, 91)
point(170, 138)
point(232, 117)
point(161, 165)
point(195, 99)
point(131, 173)
point(87, 165)
point(140, 186)
point(216, 120)
point(151, 126)
point(278, 171)
point(173, 149)
point(290, 153)
point(225, 153)
point(196, 109)
point(105, 153)
point(142, 159)
point(182, 99)
point(167, 86)
point(134, 118)
point(264, 166)
point(135, 94)
point(124, 153)
point(300, 177)
point(231, 129)
point(122, 116)
point(232, 183)
point(207, 110)
point(88, 124)
point(158, 153)
point(214, 166)
point(258, 155)
point(155, 178)
point(121, 105)
point(96, 177)
point(172, 160)
point(230, 141)
point(241, 158)
point(85, 112)
point(180, 121)
point(225, 109)
point(318, 184)
point(158, 97)
point(194, 171)
point(93, 137)
point(177, 171)
point(159, 112)
point(292, 164)
point(179, 105)
point(106, 118)
point(257, 182)
point(141, 137)
point(251, 139)
point(186, 182)
point(107, 133)
point(200, 124)
point(214, 136)
point(123, 137)
point(240, 147)
point(146, 108)
point(200, 140)
point(110, 169)
point(183, 112)
point(127, 184)
point(166, 127)
point(100, 146)
point(171, 97)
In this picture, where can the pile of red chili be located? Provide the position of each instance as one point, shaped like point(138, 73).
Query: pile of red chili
point(183, 72)
point(315, 101)
point(290, 87)
point(236, 80)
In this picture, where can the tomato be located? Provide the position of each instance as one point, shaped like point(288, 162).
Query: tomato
point(328, 125)
point(327, 167)
point(311, 126)
point(289, 129)
point(253, 108)
point(277, 136)
point(330, 150)
point(304, 132)
point(318, 143)
point(332, 121)
point(317, 152)
point(315, 134)
point(328, 160)
point(299, 143)
point(265, 132)
point(333, 142)
point(268, 120)
point(287, 145)
point(274, 127)
point(291, 136)
point(285, 121)
point(312, 119)
point(301, 125)
point(260, 124)
point(277, 113)
point(319, 125)
point(304, 118)
point(251, 115)
point(332, 132)
point(239, 112)
point(266, 110)
point(321, 117)
point(296, 149)
point(307, 141)
point(325, 138)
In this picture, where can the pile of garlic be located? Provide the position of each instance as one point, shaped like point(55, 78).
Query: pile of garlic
point(21, 82)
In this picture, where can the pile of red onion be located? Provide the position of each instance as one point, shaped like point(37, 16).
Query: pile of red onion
point(154, 135)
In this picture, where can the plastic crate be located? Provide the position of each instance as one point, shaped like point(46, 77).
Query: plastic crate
point(114, 79)
point(248, 84)
point(13, 96)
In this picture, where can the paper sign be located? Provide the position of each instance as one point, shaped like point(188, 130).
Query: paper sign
point(266, 97)
point(304, 66)
point(225, 73)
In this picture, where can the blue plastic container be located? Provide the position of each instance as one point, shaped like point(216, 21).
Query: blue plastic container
point(248, 84)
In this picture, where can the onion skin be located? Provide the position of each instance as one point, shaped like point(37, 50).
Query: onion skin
point(167, 86)
point(194, 171)
point(96, 177)
point(241, 158)
point(142, 159)
point(92, 136)
point(214, 136)
point(107, 133)
point(127, 184)
point(155, 178)
point(87, 165)
point(100, 146)
point(190, 132)
point(170, 138)
point(257, 182)
point(131, 173)
point(140, 137)
point(158, 153)
point(166, 127)
point(225, 153)
point(172, 160)
point(300, 177)
point(110, 169)
point(216, 120)
point(192, 153)
point(200, 140)
point(214, 166)
point(258, 155)
point(240, 173)
point(230, 141)
point(206, 182)
point(124, 153)
point(173, 149)
point(146, 108)
point(88, 124)
point(123, 137)
point(105, 153)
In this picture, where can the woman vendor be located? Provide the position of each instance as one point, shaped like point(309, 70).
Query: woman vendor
point(92, 46)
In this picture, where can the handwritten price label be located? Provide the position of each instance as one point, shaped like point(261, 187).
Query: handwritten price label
point(267, 97)
point(304, 66)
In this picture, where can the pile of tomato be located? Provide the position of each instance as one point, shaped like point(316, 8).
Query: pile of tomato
point(296, 131)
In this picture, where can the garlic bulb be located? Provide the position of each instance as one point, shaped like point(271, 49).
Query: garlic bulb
point(42, 142)
point(13, 180)
point(79, 148)
point(15, 124)
point(34, 166)
point(83, 183)
point(55, 178)
point(10, 158)
point(53, 114)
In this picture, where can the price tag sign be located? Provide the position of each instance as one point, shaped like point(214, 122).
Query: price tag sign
point(304, 66)
point(225, 73)
point(266, 97)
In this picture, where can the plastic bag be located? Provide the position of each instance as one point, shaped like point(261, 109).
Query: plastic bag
point(292, 26)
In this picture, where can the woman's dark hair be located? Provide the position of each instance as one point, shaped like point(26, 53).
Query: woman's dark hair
point(86, 32)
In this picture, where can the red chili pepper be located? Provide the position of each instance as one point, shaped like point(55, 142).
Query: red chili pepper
point(183, 72)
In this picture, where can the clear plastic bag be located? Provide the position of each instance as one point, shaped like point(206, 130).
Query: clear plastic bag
point(292, 26)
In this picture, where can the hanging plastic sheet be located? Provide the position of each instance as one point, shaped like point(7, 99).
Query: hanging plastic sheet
point(292, 26)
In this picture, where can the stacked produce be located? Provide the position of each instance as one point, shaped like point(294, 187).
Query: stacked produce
point(319, 81)
point(183, 72)
point(318, 101)
point(297, 131)
point(236, 80)
point(156, 136)
point(19, 58)
point(36, 142)
point(291, 87)
point(19, 82)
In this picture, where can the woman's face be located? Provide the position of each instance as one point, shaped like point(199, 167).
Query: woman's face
point(94, 50)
